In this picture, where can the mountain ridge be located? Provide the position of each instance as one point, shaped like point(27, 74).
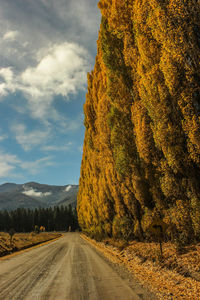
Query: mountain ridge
point(33, 195)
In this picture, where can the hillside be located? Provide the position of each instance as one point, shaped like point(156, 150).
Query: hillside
point(141, 155)
point(33, 195)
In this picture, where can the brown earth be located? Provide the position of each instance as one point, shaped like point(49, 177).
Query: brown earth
point(68, 268)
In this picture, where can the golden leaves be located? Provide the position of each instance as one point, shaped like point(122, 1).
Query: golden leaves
point(142, 119)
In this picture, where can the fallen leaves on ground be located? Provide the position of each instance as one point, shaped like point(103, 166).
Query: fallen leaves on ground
point(176, 276)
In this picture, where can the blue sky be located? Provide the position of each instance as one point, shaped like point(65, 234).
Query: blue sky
point(47, 47)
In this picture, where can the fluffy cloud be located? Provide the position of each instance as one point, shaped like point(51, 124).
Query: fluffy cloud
point(35, 26)
point(68, 188)
point(61, 71)
point(6, 74)
point(32, 192)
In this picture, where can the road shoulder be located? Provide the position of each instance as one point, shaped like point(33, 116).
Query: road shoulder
point(117, 264)
point(16, 251)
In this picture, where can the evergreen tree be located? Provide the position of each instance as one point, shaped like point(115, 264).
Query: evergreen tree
point(25, 220)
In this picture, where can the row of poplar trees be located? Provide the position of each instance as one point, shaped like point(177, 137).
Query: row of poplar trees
point(141, 155)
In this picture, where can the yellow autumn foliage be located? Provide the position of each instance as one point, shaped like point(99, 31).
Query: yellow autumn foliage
point(141, 150)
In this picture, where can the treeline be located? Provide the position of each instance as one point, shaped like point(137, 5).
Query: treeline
point(24, 220)
point(141, 155)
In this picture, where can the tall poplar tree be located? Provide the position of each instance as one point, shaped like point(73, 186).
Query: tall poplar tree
point(141, 154)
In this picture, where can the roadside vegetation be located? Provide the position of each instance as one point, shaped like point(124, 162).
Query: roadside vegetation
point(20, 241)
point(24, 228)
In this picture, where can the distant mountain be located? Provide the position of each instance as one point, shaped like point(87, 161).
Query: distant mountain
point(9, 187)
point(32, 195)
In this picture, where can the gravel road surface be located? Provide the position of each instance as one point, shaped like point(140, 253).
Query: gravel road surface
point(68, 268)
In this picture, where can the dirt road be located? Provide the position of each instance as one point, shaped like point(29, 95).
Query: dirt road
point(68, 268)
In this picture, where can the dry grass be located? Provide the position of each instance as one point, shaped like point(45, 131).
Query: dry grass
point(176, 276)
point(23, 240)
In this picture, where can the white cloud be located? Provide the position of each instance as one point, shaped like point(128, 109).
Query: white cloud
point(32, 192)
point(6, 74)
point(10, 35)
point(61, 71)
point(68, 188)
point(29, 139)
